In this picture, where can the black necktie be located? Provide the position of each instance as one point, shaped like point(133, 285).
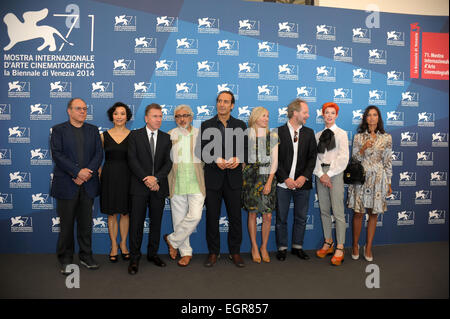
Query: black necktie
point(152, 150)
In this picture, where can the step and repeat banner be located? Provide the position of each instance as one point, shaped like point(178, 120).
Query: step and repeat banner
point(186, 52)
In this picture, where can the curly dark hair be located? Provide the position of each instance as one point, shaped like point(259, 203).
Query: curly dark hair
point(115, 106)
point(364, 127)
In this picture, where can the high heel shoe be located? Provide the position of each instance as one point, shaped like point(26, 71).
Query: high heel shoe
point(322, 253)
point(114, 258)
point(266, 259)
point(356, 257)
point(337, 261)
point(369, 259)
point(125, 256)
point(256, 259)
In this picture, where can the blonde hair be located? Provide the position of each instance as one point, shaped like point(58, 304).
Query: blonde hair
point(257, 112)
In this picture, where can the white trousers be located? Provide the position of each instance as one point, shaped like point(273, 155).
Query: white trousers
point(186, 214)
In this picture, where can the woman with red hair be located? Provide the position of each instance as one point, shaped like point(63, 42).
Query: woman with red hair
point(332, 159)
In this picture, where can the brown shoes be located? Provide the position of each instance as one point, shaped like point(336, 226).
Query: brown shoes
point(212, 259)
point(184, 261)
point(237, 260)
point(172, 251)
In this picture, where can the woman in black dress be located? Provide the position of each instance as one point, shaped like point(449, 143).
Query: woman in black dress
point(115, 177)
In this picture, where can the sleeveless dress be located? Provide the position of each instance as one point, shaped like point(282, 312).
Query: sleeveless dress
point(254, 176)
point(115, 178)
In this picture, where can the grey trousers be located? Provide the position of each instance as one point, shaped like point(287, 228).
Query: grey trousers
point(332, 199)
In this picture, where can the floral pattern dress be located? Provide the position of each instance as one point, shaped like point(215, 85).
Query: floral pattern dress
point(377, 163)
point(256, 173)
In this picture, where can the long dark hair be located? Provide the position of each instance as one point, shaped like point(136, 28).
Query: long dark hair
point(364, 127)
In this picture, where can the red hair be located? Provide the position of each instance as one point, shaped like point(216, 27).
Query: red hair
point(330, 104)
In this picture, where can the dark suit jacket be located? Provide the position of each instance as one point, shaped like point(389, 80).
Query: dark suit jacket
point(306, 158)
point(140, 162)
point(214, 176)
point(64, 154)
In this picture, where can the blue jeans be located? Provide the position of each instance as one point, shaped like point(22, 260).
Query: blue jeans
point(301, 205)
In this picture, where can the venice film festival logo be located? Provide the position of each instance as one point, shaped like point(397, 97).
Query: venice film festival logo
point(124, 67)
point(21, 224)
point(5, 156)
point(377, 97)
point(167, 111)
point(166, 68)
point(145, 45)
point(410, 98)
point(166, 24)
point(40, 111)
point(380, 219)
point(395, 118)
point(223, 224)
point(6, 201)
point(357, 116)
point(208, 69)
point(325, 32)
point(395, 78)
point(248, 70)
point(19, 134)
point(249, 27)
point(439, 139)
point(395, 38)
point(56, 224)
point(19, 89)
point(287, 29)
point(438, 178)
point(343, 96)
point(362, 76)
point(377, 56)
point(325, 73)
point(102, 90)
point(288, 72)
point(208, 25)
point(5, 112)
point(267, 92)
point(282, 114)
point(394, 199)
point(267, 49)
point(342, 54)
point(40, 156)
point(424, 158)
point(204, 112)
point(186, 90)
point(99, 225)
point(144, 90)
point(397, 158)
point(29, 30)
point(306, 51)
point(405, 218)
point(19, 179)
point(125, 23)
point(423, 197)
point(436, 216)
point(361, 35)
point(228, 47)
point(307, 93)
point(409, 139)
point(244, 112)
point(61, 89)
point(425, 119)
point(41, 201)
point(407, 179)
point(187, 46)
point(232, 87)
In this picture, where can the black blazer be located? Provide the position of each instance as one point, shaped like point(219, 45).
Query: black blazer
point(140, 161)
point(64, 154)
point(214, 176)
point(306, 158)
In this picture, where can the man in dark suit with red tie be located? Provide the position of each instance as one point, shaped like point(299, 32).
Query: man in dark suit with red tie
point(150, 163)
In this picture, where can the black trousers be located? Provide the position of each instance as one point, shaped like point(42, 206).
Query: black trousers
point(80, 209)
point(213, 202)
point(138, 213)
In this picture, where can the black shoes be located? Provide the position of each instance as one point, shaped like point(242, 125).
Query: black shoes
point(300, 253)
point(133, 267)
point(89, 262)
point(156, 260)
point(281, 255)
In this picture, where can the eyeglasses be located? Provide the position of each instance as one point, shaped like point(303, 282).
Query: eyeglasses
point(79, 109)
point(295, 136)
point(184, 116)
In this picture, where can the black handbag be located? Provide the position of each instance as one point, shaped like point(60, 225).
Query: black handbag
point(354, 173)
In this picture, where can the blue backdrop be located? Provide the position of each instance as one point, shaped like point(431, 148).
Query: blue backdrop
point(185, 52)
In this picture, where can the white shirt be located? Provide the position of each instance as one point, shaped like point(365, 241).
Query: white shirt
point(155, 135)
point(294, 160)
point(337, 157)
